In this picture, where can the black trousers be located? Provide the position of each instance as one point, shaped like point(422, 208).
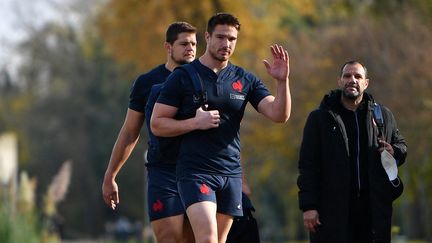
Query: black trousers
point(359, 219)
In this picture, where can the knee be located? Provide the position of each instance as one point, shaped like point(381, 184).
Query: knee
point(168, 235)
point(188, 236)
point(206, 236)
point(207, 239)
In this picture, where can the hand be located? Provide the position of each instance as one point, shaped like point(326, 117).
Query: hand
point(311, 220)
point(386, 146)
point(279, 70)
point(206, 119)
point(110, 193)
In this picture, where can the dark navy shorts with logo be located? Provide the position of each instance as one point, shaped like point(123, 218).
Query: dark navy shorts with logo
point(163, 199)
point(225, 191)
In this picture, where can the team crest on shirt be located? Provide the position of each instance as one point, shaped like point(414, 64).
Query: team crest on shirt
point(237, 86)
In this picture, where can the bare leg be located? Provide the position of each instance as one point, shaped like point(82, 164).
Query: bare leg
point(224, 223)
point(188, 236)
point(168, 230)
point(202, 217)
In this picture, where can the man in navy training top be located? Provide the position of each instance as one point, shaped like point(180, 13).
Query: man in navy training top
point(165, 209)
point(208, 167)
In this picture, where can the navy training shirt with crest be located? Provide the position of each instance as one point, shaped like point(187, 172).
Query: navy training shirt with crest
point(139, 95)
point(217, 150)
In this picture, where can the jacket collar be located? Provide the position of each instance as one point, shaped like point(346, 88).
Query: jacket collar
point(331, 101)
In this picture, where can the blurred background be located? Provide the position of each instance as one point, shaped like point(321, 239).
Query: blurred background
point(66, 67)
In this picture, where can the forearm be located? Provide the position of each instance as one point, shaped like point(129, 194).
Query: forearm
point(277, 108)
point(170, 127)
point(163, 123)
point(122, 149)
point(281, 106)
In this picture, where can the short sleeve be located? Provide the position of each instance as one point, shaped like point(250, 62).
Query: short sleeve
point(258, 90)
point(139, 93)
point(172, 89)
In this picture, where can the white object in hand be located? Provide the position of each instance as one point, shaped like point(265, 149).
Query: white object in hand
point(389, 164)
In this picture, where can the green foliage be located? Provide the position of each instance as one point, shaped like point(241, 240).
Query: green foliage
point(71, 108)
point(18, 227)
point(18, 218)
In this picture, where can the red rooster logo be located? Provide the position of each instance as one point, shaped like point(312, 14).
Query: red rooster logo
point(158, 206)
point(204, 189)
point(237, 86)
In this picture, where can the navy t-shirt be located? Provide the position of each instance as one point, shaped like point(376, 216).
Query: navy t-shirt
point(140, 90)
point(139, 95)
point(217, 150)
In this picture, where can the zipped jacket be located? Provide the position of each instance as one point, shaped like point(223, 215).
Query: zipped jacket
point(324, 169)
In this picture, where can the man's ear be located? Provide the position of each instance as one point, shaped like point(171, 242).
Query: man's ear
point(366, 83)
point(339, 83)
point(168, 47)
point(206, 36)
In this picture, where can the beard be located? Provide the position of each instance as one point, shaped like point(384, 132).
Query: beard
point(215, 56)
point(351, 95)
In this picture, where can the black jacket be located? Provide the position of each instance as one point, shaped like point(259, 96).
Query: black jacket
point(324, 167)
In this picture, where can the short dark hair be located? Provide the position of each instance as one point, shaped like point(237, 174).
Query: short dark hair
point(351, 62)
point(176, 28)
point(222, 19)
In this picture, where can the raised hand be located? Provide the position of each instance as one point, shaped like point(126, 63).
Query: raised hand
point(279, 69)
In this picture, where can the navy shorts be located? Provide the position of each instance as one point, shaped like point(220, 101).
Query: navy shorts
point(225, 191)
point(163, 199)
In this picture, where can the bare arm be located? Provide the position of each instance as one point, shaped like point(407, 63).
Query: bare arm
point(126, 141)
point(163, 123)
point(278, 108)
